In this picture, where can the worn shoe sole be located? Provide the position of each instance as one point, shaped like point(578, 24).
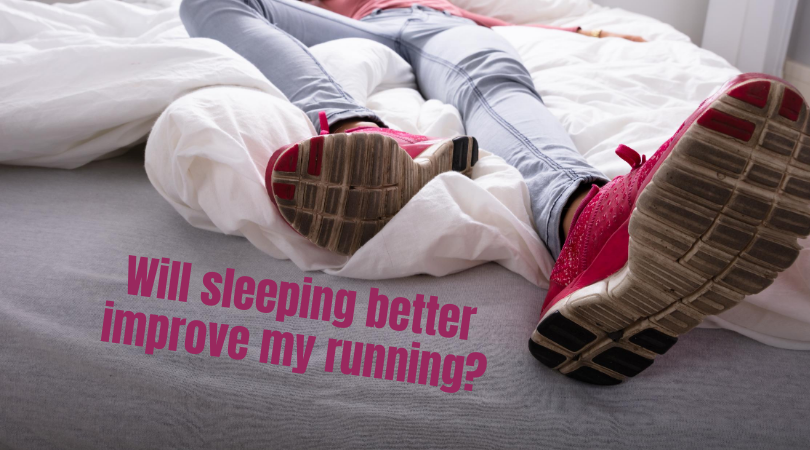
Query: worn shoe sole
point(719, 220)
point(339, 190)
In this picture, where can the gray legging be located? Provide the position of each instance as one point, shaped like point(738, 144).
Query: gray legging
point(454, 60)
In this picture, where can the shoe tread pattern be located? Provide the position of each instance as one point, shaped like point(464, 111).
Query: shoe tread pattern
point(346, 187)
point(720, 219)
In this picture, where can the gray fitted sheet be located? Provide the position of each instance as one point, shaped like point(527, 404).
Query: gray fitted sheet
point(64, 241)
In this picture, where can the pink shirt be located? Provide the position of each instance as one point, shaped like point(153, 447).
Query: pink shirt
point(357, 9)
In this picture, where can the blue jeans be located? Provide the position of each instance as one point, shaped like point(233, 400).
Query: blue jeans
point(454, 60)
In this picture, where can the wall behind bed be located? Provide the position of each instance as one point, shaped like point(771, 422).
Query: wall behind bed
point(687, 16)
point(751, 34)
point(797, 68)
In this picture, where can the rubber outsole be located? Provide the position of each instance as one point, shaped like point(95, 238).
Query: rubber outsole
point(340, 190)
point(720, 219)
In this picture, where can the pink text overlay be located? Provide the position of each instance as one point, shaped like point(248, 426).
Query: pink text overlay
point(283, 301)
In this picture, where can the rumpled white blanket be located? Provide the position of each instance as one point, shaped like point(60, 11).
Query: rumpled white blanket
point(82, 82)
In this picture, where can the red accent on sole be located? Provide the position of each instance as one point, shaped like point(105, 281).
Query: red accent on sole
point(284, 191)
point(288, 161)
point(315, 156)
point(791, 105)
point(727, 124)
point(755, 93)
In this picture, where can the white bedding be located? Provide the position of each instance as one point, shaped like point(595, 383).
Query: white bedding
point(81, 82)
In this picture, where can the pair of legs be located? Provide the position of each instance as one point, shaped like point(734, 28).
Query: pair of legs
point(454, 60)
point(712, 217)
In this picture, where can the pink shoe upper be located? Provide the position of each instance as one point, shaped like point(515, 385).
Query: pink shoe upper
point(601, 221)
point(413, 144)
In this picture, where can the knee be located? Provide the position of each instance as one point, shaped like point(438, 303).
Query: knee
point(489, 70)
point(494, 64)
point(191, 11)
point(197, 15)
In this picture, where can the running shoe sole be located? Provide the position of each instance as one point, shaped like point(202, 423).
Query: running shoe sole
point(339, 190)
point(719, 220)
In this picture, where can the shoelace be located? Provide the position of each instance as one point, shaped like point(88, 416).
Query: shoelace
point(624, 152)
point(631, 156)
point(324, 123)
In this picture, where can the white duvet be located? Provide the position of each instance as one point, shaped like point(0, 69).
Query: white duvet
point(85, 81)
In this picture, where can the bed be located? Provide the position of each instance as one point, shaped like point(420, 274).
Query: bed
point(67, 236)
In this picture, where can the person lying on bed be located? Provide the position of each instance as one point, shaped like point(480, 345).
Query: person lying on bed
point(713, 215)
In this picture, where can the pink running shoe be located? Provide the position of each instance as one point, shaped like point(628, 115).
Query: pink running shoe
point(712, 217)
point(339, 190)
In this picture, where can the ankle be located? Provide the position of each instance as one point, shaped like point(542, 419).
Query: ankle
point(570, 210)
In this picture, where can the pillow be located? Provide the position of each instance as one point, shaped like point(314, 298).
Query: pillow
point(208, 152)
point(526, 11)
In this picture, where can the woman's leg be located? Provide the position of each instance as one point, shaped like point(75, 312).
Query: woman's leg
point(480, 73)
point(455, 61)
point(337, 190)
point(262, 31)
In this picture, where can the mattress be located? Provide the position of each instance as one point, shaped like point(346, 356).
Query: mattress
point(66, 237)
point(128, 69)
